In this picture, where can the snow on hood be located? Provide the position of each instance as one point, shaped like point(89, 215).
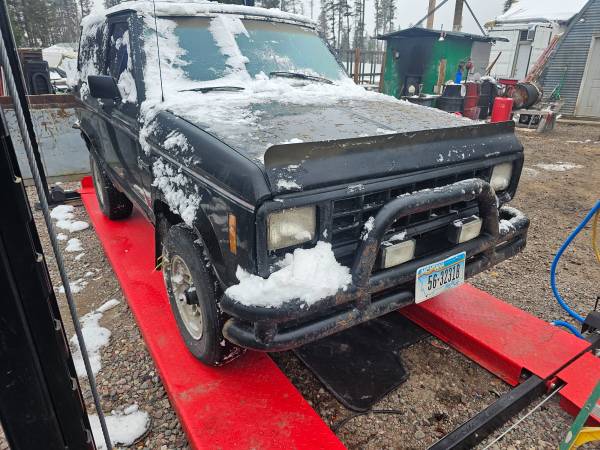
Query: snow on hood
point(537, 10)
point(271, 111)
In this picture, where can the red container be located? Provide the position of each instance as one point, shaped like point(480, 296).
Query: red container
point(502, 109)
point(471, 110)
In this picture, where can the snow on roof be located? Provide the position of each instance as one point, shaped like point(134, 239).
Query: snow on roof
point(542, 11)
point(203, 7)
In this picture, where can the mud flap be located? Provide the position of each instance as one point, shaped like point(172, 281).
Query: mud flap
point(361, 365)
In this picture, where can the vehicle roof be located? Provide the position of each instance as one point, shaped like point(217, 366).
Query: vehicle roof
point(206, 8)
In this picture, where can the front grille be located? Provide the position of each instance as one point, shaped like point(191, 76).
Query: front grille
point(350, 214)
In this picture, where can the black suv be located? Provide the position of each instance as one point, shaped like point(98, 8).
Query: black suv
point(288, 203)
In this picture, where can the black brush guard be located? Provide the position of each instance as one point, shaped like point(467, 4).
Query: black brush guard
point(370, 294)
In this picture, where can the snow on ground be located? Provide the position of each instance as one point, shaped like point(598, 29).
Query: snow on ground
point(559, 166)
point(307, 274)
point(76, 286)
point(64, 215)
point(95, 337)
point(124, 427)
point(73, 245)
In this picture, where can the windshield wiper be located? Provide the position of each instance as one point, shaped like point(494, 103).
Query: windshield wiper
point(300, 75)
point(206, 89)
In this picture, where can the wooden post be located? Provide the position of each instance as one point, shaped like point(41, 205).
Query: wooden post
point(458, 15)
point(432, 5)
point(356, 64)
point(441, 75)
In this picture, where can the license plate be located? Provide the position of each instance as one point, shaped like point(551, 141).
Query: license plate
point(435, 278)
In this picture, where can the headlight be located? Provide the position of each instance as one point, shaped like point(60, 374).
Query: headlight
point(501, 176)
point(291, 227)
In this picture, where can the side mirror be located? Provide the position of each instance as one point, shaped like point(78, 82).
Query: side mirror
point(103, 86)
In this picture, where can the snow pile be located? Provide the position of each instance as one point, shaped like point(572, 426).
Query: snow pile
point(288, 185)
point(176, 141)
point(76, 286)
point(124, 427)
point(547, 10)
point(559, 166)
point(63, 214)
point(176, 186)
point(95, 338)
point(308, 274)
point(73, 245)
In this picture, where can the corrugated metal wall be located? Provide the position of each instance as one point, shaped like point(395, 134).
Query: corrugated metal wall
point(569, 59)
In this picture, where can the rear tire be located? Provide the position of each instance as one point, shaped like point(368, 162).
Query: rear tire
point(193, 293)
point(113, 203)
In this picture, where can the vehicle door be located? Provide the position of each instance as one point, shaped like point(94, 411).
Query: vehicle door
point(122, 114)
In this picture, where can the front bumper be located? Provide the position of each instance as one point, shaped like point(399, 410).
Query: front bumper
point(370, 294)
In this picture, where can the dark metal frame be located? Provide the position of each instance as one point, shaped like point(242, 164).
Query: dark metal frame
point(41, 404)
point(371, 294)
point(480, 426)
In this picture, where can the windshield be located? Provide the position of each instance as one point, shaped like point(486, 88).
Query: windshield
point(263, 47)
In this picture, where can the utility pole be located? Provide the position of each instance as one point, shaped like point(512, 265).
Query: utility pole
point(431, 12)
point(458, 14)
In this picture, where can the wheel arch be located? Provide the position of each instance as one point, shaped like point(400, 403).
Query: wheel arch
point(203, 229)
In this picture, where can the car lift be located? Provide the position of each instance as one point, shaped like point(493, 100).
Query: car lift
point(250, 402)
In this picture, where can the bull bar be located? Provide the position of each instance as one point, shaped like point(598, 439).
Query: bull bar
point(371, 295)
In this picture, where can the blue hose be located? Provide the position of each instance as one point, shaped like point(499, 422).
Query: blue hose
point(568, 326)
point(563, 247)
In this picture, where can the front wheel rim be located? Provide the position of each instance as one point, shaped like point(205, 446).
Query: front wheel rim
point(182, 283)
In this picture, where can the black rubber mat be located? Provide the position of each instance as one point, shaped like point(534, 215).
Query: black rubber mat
point(361, 365)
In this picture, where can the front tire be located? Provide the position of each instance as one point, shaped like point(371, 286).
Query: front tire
point(193, 294)
point(113, 203)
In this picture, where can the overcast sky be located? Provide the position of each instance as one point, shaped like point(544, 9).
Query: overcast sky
point(410, 11)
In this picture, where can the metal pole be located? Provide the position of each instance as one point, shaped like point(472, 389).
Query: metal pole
point(21, 89)
point(475, 18)
point(12, 89)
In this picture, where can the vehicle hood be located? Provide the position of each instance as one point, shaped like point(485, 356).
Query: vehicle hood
point(278, 122)
point(314, 136)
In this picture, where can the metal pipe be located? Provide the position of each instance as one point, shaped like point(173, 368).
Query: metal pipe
point(35, 172)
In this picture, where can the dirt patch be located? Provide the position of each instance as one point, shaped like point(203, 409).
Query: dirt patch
point(444, 387)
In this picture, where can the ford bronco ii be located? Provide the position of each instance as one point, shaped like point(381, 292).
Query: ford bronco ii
point(288, 203)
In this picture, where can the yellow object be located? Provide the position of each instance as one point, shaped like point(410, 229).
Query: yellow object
point(587, 434)
point(595, 236)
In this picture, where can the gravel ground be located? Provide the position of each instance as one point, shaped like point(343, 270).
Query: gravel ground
point(444, 387)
